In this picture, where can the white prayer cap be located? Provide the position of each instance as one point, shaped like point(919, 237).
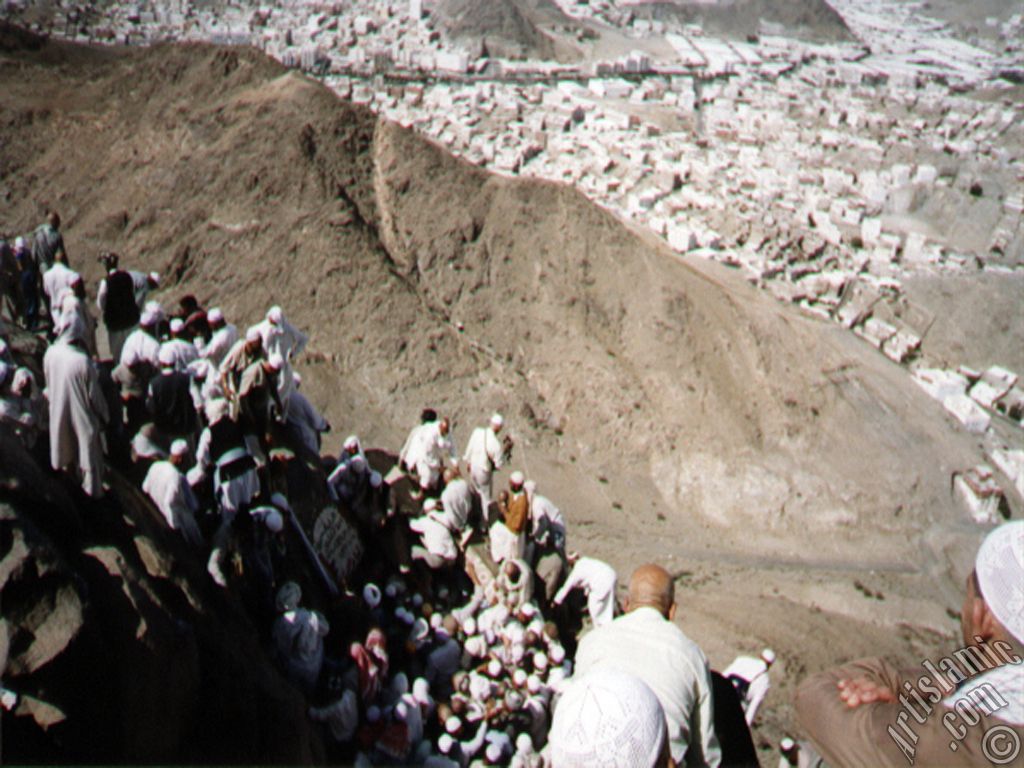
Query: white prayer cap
point(493, 752)
point(529, 610)
point(179, 448)
point(288, 597)
point(540, 660)
point(22, 378)
point(371, 594)
point(514, 632)
point(1000, 570)
point(351, 443)
point(280, 501)
point(149, 317)
point(253, 334)
point(155, 277)
point(533, 684)
point(373, 713)
point(19, 243)
point(557, 653)
point(215, 315)
point(787, 744)
point(430, 505)
point(607, 718)
point(436, 621)
point(445, 743)
point(375, 479)
point(768, 656)
point(274, 521)
point(517, 478)
point(156, 308)
point(494, 668)
point(217, 409)
point(524, 743)
point(297, 378)
point(421, 690)
point(497, 421)
point(401, 711)
point(452, 724)
point(276, 362)
point(536, 626)
point(475, 646)
point(177, 324)
point(420, 629)
point(165, 355)
point(275, 315)
point(469, 626)
point(530, 486)
point(518, 653)
point(519, 677)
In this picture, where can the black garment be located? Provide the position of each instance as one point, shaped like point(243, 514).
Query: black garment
point(731, 725)
point(225, 435)
point(120, 311)
point(169, 402)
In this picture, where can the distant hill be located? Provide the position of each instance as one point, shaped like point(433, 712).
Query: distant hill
point(807, 19)
point(509, 28)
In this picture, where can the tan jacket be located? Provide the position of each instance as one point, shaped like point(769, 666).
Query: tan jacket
point(876, 735)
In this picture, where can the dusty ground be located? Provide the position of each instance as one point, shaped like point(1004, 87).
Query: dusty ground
point(797, 481)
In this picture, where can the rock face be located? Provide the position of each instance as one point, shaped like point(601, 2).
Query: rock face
point(119, 645)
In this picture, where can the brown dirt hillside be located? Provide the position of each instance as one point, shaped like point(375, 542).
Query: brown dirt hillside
point(673, 412)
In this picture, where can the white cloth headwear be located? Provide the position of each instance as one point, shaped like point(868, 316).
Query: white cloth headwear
point(288, 597)
point(177, 324)
point(768, 656)
point(149, 317)
point(540, 661)
point(493, 752)
point(166, 355)
point(179, 448)
point(497, 421)
point(445, 743)
point(475, 646)
point(430, 505)
point(421, 690)
point(217, 409)
point(253, 334)
point(275, 315)
point(607, 719)
point(452, 724)
point(524, 743)
point(155, 277)
point(519, 677)
point(276, 362)
point(371, 594)
point(533, 684)
point(1000, 570)
point(19, 243)
point(215, 315)
point(22, 378)
point(494, 668)
point(469, 626)
point(351, 443)
point(517, 478)
point(557, 653)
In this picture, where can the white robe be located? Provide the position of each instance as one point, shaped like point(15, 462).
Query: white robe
point(457, 501)
point(598, 580)
point(484, 455)
point(140, 347)
point(284, 339)
point(173, 496)
point(74, 323)
point(77, 414)
point(55, 280)
point(182, 351)
point(222, 340)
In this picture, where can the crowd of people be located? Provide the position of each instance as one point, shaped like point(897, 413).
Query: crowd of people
point(454, 640)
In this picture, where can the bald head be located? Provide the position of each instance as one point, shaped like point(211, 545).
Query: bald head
point(651, 586)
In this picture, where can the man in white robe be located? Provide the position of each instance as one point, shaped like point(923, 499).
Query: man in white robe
point(484, 454)
point(56, 280)
point(173, 496)
point(78, 412)
point(224, 335)
point(281, 337)
point(598, 580)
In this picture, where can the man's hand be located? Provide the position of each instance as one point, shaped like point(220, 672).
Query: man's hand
point(862, 690)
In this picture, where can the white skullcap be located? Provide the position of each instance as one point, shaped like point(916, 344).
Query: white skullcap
point(351, 443)
point(421, 690)
point(436, 620)
point(217, 409)
point(445, 743)
point(179, 448)
point(452, 724)
point(371, 594)
point(375, 479)
point(494, 668)
point(514, 631)
point(557, 653)
point(475, 646)
point(524, 743)
point(768, 656)
point(401, 711)
point(518, 653)
point(177, 324)
point(19, 243)
point(215, 315)
point(276, 362)
point(540, 660)
point(497, 421)
point(274, 521)
point(149, 317)
point(529, 610)
point(533, 684)
point(155, 277)
point(420, 629)
point(430, 505)
point(1000, 570)
point(297, 378)
point(517, 478)
point(373, 713)
point(607, 718)
point(493, 752)
point(519, 677)
point(786, 744)
point(165, 355)
point(288, 597)
point(275, 315)
point(469, 626)
point(253, 334)
point(156, 308)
